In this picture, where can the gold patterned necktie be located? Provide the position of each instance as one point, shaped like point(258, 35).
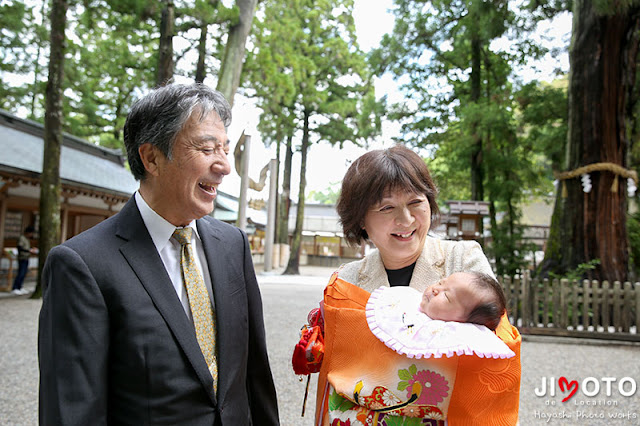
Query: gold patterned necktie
point(204, 318)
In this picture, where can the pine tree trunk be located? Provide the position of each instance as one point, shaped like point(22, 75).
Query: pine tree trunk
point(231, 67)
point(494, 226)
point(49, 227)
point(593, 225)
point(202, 53)
point(294, 259)
point(477, 189)
point(165, 52)
point(36, 71)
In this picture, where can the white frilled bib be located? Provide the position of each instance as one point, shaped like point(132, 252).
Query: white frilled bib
point(394, 317)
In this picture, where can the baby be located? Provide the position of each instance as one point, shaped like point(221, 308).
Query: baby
point(457, 315)
point(465, 297)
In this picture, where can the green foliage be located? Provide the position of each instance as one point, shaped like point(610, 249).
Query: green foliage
point(544, 119)
point(432, 47)
point(22, 38)
point(613, 7)
point(451, 176)
point(633, 229)
point(405, 376)
point(306, 58)
point(311, 81)
point(509, 248)
point(548, 8)
point(111, 58)
point(579, 273)
point(329, 196)
point(463, 105)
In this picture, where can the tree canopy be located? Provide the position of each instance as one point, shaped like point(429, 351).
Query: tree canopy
point(487, 133)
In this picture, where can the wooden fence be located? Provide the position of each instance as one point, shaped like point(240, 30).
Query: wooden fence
point(574, 309)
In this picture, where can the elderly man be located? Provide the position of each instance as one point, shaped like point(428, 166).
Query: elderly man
point(154, 316)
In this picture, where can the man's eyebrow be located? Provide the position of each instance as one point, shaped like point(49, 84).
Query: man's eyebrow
point(209, 138)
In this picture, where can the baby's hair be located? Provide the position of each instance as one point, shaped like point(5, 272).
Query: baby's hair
point(488, 313)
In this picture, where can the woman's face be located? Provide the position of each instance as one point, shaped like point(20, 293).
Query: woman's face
point(398, 227)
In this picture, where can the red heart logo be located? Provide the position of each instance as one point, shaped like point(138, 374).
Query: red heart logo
point(572, 386)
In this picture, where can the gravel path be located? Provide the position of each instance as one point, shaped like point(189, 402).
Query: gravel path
point(18, 361)
point(286, 302)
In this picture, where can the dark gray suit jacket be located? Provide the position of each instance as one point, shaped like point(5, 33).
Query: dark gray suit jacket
point(116, 347)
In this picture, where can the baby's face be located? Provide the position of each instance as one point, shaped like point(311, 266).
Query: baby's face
point(452, 298)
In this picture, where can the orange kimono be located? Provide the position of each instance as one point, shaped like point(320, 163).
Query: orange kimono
point(363, 382)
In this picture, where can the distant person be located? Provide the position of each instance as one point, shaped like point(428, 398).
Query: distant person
point(154, 316)
point(24, 252)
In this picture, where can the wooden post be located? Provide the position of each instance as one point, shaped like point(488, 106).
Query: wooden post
point(627, 299)
point(512, 298)
point(616, 299)
point(556, 288)
point(637, 291)
point(518, 299)
point(605, 306)
point(525, 301)
point(586, 292)
point(545, 299)
point(562, 304)
point(65, 221)
point(271, 216)
point(244, 185)
point(3, 216)
point(575, 305)
point(596, 291)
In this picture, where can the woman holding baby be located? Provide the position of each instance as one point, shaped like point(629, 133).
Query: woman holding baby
point(389, 198)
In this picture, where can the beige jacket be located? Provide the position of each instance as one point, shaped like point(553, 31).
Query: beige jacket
point(439, 259)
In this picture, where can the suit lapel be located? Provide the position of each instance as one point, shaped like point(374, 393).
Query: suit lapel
point(145, 261)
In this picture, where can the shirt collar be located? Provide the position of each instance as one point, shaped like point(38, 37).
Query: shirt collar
point(159, 228)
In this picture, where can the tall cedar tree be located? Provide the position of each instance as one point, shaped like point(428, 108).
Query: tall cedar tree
point(461, 105)
point(311, 78)
point(603, 57)
point(165, 50)
point(234, 54)
point(50, 187)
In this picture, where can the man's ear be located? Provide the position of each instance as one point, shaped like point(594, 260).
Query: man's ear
point(149, 154)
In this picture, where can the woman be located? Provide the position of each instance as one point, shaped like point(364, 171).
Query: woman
point(388, 197)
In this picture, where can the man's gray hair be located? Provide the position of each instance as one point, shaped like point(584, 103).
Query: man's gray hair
point(158, 117)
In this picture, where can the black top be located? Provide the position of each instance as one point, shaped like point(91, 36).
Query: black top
point(400, 277)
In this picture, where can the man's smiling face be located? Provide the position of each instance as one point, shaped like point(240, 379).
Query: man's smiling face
point(184, 188)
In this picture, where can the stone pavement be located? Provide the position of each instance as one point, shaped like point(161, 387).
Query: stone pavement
point(28, 284)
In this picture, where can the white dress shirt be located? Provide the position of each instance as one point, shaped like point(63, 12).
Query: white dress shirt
point(161, 232)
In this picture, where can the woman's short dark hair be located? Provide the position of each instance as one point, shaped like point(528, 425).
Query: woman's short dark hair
point(371, 176)
point(488, 313)
point(158, 117)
